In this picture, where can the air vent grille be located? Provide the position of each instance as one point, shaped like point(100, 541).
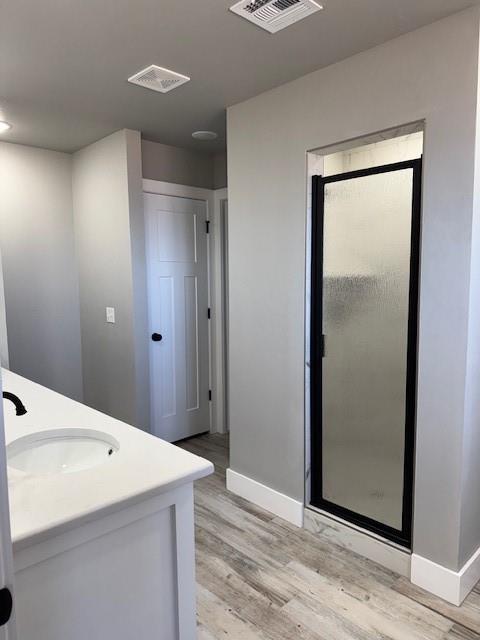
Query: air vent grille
point(158, 79)
point(251, 7)
point(274, 15)
point(285, 4)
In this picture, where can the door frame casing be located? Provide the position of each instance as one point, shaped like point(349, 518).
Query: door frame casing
point(213, 199)
point(218, 236)
point(404, 536)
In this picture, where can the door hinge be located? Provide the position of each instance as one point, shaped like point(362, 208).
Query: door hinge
point(209, 313)
point(210, 395)
point(207, 226)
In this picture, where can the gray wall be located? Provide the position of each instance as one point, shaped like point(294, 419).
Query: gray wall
point(37, 248)
point(405, 80)
point(3, 323)
point(180, 166)
point(104, 179)
point(183, 166)
point(139, 278)
point(470, 500)
point(219, 170)
point(44, 261)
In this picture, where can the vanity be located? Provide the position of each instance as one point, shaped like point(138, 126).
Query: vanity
point(102, 523)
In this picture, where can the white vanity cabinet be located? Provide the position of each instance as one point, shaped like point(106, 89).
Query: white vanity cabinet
point(126, 575)
point(108, 552)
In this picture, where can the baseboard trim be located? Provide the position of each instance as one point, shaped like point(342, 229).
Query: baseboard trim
point(265, 497)
point(452, 586)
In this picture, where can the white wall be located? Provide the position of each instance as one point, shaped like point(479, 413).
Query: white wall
point(105, 177)
point(374, 154)
point(406, 80)
point(40, 277)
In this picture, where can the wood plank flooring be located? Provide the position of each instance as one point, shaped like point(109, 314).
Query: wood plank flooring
point(260, 578)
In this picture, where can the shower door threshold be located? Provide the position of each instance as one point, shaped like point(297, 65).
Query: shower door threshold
point(350, 536)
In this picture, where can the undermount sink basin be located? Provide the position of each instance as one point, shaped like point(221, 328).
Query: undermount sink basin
point(61, 451)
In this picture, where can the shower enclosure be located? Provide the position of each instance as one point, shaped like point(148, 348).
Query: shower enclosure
point(365, 234)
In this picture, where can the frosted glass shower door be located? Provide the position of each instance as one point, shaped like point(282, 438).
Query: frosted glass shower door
point(364, 334)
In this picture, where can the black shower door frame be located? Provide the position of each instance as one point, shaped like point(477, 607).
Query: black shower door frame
point(402, 537)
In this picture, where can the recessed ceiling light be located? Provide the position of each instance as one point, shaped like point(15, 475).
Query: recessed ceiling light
point(204, 135)
point(4, 126)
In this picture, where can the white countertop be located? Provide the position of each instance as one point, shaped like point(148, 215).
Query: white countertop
point(45, 505)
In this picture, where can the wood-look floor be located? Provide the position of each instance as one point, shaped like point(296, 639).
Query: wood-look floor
point(260, 578)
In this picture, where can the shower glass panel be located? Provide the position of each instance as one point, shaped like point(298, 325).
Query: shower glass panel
point(364, 334)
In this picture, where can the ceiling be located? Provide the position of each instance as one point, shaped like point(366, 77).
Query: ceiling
point(64, 63)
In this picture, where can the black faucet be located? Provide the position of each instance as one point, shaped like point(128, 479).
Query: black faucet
point(19, 406)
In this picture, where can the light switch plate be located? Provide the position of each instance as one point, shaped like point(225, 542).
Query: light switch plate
point(110, 312)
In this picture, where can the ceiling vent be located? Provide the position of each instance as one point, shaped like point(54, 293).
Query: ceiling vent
point(158, 79)
point(274, 15)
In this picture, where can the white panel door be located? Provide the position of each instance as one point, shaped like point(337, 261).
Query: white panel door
point(177, 278)
point(7, 628)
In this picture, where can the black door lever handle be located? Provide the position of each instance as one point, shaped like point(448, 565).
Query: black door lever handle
point(6, 606)
point(156, 337)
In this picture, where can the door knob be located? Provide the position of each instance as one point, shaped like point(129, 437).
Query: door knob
point(156, 337)
point(6, 605)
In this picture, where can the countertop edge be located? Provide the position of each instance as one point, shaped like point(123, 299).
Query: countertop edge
point(20, 543)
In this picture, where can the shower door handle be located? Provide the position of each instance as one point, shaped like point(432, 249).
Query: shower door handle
point(319, 348)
